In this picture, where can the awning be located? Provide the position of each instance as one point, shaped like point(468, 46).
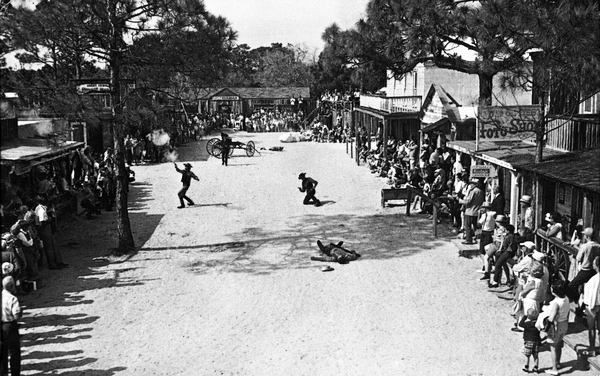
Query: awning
point(435, 125)
point(579, 169)
point(510, 154)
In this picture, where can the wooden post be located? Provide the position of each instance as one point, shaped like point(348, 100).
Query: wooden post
point(384, 137)
point(352, 149)
point(408, 201)
point(435, 220)
point(346, 146)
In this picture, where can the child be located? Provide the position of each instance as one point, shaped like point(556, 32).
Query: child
point(531, 339)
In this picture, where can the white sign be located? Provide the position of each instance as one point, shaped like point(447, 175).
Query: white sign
point(226, 98)
point(482, 171)
point(508, 122)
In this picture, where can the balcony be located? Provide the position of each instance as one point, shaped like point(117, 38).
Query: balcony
point(391, 104)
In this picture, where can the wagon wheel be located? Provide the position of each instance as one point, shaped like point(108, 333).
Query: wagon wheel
point(560, 266)
point(210, 144)
point(216, 149)
point(250, 148)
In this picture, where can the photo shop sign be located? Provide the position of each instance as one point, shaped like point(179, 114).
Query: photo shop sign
point(507, 122)
point(482, 171)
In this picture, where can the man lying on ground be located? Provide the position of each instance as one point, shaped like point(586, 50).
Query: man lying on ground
point(335, 253)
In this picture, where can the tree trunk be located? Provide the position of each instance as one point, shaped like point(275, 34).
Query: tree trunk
point(126, 242)
point(540, 132)
point(486, 82)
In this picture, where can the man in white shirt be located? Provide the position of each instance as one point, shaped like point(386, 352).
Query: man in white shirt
point(11, 340)
point(42, 219)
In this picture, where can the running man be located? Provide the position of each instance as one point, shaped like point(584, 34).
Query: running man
point(186, 178)
point(309, 186)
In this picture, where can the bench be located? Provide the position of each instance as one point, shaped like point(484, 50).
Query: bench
point(393, 194)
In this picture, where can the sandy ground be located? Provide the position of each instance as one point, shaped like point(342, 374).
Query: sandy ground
point(227, 287)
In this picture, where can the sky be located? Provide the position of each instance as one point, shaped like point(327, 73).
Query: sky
point(298, 22)
point(262, 22)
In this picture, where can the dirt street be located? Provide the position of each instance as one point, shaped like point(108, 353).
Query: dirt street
point(227, 287)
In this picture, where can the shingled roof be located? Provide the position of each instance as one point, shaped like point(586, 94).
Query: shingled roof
point(579, 169)
point(263, 92)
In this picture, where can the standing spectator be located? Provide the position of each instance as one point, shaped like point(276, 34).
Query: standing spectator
point(555, 228)
point(11, 340)
point(472, 202)
point(186, 178)
point(413, 152)
point(435, 158)
point(559, 319)
point(498, 201)
point(457, 169)
point(588, 251)
point(488, 225)
point(591, 300)
point(526, 223)
point(51, 251)
point(531, 340)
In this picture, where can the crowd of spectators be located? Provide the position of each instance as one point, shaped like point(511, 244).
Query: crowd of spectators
point(542, 296)
point(267, 120)
point(30, 210)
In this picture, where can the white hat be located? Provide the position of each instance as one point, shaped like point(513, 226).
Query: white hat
point(7, 268)
point(528, 244)
point(538, 256)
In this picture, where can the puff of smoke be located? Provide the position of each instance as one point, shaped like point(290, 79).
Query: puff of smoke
point(159, 137)
point(171, 156)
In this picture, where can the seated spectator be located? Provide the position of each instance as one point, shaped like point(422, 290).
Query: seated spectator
point(491, 249)
point(439, 182)
point(91, 201)
point(532, 291)
point(507, 251)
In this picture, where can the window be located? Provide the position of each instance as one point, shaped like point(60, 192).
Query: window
point(415, 84)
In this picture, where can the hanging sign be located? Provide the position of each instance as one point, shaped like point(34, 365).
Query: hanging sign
point(482, 171)
point(508, 122)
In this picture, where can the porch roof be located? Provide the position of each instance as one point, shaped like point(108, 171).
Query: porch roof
point(511, 154)
point(579, 169)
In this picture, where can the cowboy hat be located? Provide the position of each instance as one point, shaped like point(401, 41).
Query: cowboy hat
point(501, 218)
point(588, 231)
point(538, 256)
point(526, 199)
point(528, 244)
point(187, 165)
point(302, 175)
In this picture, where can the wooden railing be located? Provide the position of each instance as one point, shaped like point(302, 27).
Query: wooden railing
point(391, 104)
point(560, 255)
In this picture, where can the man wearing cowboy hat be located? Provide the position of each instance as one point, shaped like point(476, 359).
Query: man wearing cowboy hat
point(472, 202)
point(186, 178)
point(309, 186)
point(526, 218)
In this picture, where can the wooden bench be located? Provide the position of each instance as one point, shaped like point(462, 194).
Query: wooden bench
point(393, 194)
